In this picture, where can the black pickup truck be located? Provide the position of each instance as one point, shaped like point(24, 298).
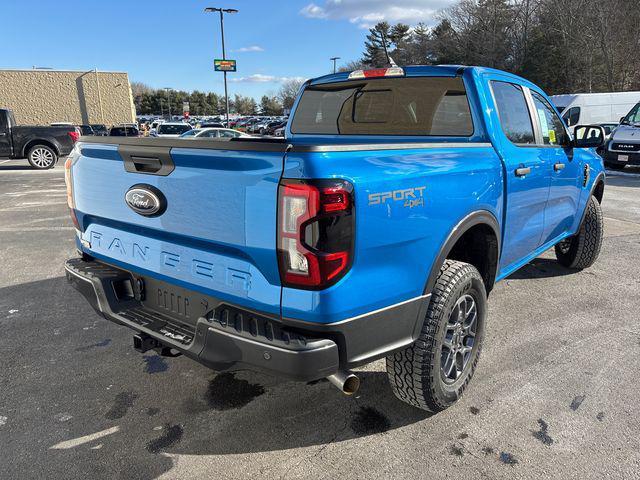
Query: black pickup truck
point(40, 145)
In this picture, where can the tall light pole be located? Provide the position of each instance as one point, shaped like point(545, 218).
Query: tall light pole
point(168, 89)
point(333, 59)
point(224, 56)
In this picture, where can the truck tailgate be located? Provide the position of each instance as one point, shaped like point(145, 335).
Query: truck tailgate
point(217, 233)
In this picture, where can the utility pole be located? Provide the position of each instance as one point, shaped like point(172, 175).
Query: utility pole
point(333, 59)
point(222, 11)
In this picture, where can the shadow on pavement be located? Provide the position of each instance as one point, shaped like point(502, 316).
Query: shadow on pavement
point(541, 268)
point(69, 374)
point(622, 181)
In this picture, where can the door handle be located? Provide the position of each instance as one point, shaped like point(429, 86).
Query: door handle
point(522, 171)
point(3, 134)
point(559, 166)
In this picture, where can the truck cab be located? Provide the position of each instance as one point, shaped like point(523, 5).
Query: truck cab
point(375, 228)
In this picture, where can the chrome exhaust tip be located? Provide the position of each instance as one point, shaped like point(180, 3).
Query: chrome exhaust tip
point(346, 381)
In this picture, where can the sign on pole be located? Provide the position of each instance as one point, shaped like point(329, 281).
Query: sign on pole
point(220, 65)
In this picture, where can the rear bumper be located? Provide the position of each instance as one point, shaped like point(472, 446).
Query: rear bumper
point(223, 336)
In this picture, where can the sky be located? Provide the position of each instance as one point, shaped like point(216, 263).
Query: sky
point(173, 43)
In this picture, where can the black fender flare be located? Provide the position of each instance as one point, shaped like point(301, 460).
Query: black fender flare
point(600, 178)
point(478, 217)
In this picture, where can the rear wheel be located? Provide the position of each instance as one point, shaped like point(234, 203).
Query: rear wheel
point(582, 250)
point(42, 157)
point(434, 371)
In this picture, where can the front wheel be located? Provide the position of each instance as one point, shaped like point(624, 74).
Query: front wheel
point(582, 250)
point(42, 157)
point(434, 371)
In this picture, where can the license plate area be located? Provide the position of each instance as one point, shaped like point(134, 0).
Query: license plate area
point(623, 158)
point(180, 304)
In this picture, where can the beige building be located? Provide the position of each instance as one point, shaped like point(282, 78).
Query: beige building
point(46, 96)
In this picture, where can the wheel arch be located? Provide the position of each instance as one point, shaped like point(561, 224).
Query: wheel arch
point(39, 141)
point(476, 240)
point(598, 188)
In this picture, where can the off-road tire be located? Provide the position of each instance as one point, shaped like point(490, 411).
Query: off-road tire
point(415, 372)
point(42, 157)
point(582, 250)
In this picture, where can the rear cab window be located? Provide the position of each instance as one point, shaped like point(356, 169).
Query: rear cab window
point(173, 129)
point(407, 106)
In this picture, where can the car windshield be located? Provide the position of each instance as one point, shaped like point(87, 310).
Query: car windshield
point(432, 106)
point(165, 129)
point(633, 117)
point(190, 133)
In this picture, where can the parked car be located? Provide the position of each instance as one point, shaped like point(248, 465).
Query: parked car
point(376, 229)
point(273, 126)
point(86, 130)
point(190, 133)
point(171, 129)
point(279, 132)
point(594, 108)
point(246, 124)
point(100, 129)
point(40, 145)
point(623, 146)
point(124, 131)
point(217, 133)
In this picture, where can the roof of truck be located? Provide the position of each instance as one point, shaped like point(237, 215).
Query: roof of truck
point(424, 71)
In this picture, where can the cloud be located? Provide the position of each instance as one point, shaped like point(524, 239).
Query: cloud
point(260, 78)
point(366, 13)
point(252, 48)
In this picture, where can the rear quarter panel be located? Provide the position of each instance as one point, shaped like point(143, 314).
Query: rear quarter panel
point(396, 245)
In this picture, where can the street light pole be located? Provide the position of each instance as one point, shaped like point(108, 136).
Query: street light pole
point(222, 11)
point(333, 59)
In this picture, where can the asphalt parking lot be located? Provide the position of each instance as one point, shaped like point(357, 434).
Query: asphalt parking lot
point(555, 395)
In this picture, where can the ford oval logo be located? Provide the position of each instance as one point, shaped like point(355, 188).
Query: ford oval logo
point(146, 200)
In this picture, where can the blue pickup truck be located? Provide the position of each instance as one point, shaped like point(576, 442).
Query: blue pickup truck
point(375, 228)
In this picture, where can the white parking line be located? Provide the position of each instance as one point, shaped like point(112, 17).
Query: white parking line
point(4, 161)
point(86, 439)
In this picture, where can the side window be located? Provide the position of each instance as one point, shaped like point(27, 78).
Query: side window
point(513, 113)
point(552, 128)
point(571, 116)
point(227, 134)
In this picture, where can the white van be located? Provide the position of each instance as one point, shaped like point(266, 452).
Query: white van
point(594, 108)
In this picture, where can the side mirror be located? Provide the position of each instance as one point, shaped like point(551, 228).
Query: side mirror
point(589, 136)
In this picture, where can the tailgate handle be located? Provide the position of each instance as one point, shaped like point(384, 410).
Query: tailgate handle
point(146, 164)
point(147, 160)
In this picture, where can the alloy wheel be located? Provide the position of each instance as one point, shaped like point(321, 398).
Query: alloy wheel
point(459, 338)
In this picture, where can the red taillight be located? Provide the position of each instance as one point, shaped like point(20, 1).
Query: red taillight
point(74, 136)
point(315, 232)
point(69, 182)
point(376, 73)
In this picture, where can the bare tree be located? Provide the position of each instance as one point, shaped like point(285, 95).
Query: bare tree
point(289, 91)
